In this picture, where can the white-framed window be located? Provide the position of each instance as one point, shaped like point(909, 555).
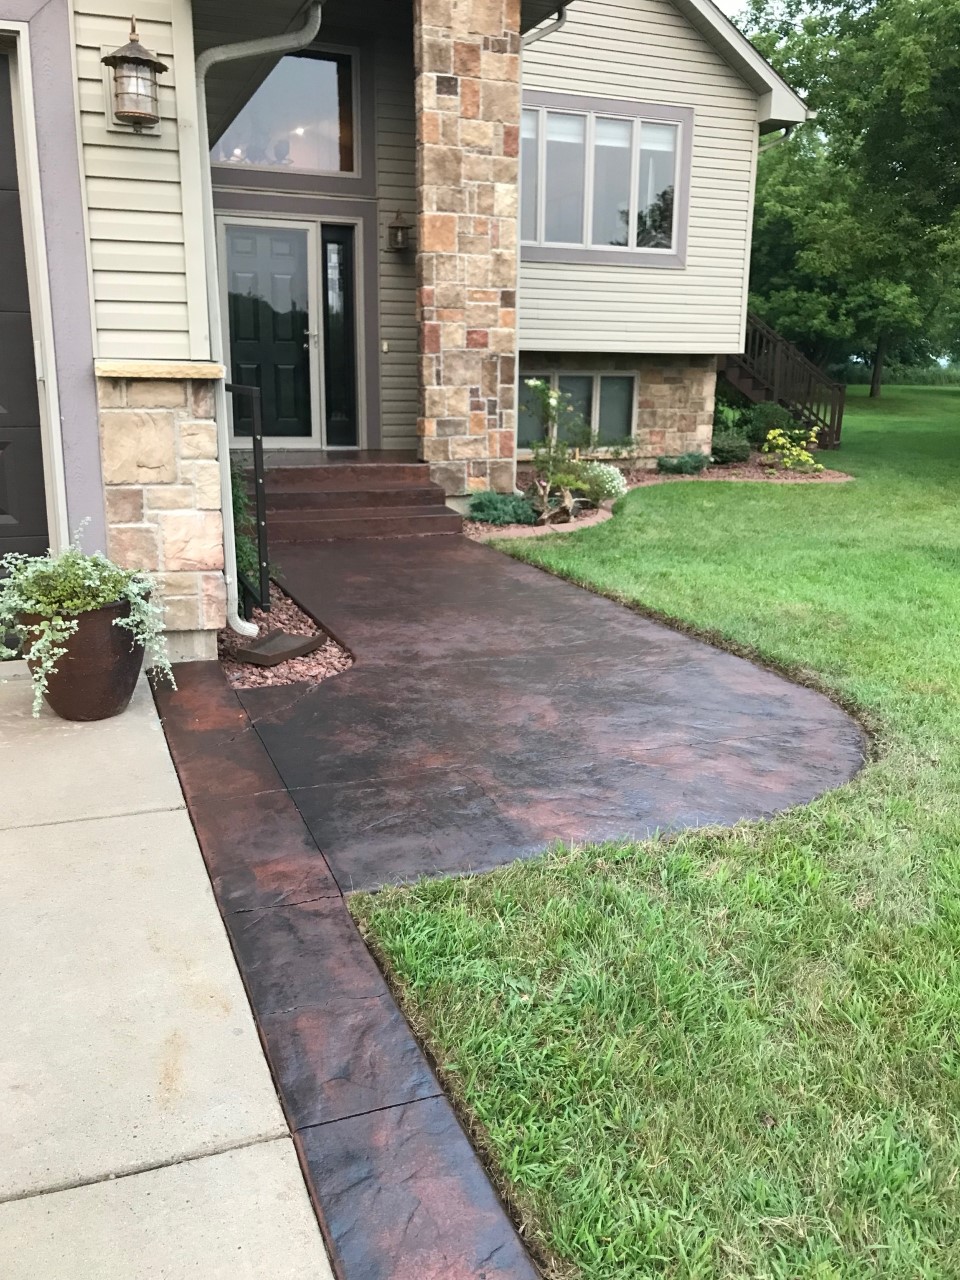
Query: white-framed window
point(605, 401)
point(603, 178)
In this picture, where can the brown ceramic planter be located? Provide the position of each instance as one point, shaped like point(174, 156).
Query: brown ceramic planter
point(96, 677)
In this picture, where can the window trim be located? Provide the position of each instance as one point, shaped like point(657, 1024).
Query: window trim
point(674, 258)
point(553, 376)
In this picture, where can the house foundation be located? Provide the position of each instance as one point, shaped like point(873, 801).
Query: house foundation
point(674, 396)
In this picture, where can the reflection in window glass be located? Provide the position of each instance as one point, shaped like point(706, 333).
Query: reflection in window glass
point(658, 162)
point(339, 338)
point(530, 426)
point(611, 181)
point(566, 153)
point(579, 390)
point(615, 418)
point(529, 161)
point(593, 408)
point(301, 118)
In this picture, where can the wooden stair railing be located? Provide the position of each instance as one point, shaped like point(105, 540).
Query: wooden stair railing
point(771, 368)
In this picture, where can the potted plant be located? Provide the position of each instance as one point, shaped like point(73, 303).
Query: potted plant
point(83, 625)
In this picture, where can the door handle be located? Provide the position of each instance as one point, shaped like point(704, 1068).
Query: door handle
point(313, 335)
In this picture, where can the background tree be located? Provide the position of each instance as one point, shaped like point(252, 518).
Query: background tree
point(857, 235)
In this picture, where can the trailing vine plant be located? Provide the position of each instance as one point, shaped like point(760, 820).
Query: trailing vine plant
point(57, 589)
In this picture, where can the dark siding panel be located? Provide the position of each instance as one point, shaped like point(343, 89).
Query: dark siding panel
point(23, 512)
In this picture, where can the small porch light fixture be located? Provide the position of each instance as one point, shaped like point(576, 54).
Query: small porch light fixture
point(135, 95)
point(398, 234)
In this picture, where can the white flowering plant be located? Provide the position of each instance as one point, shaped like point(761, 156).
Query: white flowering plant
point(602, 480)
point(56, 589)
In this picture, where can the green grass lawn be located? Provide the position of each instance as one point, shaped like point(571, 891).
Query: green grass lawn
point(737, 1053)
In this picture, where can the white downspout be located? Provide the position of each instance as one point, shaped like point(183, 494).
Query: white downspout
point(289, 42)
point(781, 137)
point(539, 32)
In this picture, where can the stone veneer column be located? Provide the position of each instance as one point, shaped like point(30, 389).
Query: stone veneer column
point(467, 59)
point(158, 444)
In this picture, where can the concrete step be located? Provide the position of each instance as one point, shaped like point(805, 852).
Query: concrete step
point(323, 498)
point(360, 522)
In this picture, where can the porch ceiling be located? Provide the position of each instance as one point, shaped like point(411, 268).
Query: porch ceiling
point(224, 21)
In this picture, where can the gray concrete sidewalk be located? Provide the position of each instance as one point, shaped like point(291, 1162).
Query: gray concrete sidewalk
point(140, 1133)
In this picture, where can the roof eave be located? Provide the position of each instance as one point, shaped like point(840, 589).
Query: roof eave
point(778, 106)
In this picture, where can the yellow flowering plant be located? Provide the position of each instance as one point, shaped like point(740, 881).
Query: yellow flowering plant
point(791, 446)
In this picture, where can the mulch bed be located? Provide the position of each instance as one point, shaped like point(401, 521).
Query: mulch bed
point(751, 470)
point(639, 477)
point(481, 532)
point(329, 660)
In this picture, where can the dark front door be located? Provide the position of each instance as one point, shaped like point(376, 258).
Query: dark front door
point(270, 339)
point(23, 507)
point(293, 329)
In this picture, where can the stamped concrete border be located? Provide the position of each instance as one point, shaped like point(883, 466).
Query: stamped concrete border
point(396, 1185)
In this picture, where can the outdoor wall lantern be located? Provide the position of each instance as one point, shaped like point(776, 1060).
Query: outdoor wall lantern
point(398, 234)
point(135, 96)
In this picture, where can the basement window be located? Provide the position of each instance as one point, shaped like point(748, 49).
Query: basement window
point(603, 180)
point(605, 401)
point(301, 119)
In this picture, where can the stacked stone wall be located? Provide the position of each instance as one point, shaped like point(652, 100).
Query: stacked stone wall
point(161, 476)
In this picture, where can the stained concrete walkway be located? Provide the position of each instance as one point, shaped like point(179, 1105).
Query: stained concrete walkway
point(140, 1131)
point(494, 709)
point(491, 710)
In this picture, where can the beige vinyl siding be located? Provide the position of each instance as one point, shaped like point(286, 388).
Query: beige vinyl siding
point(148, 302)
point(644, 51)
point(396, 167)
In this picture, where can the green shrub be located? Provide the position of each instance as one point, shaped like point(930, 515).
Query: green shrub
point(906, 375)
point(244, 524)
point(729, 417)
point(554, 475)
point(628, 447)
point(728, 447)
point(764, 418)
point(687, 464)
point(501, 508)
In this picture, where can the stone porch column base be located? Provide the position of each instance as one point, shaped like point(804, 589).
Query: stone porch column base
point(161, 476)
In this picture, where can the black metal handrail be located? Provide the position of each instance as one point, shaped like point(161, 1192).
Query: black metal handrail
point(258, 595)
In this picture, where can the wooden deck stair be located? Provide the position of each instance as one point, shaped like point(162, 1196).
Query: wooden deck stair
point(772, 369)
point(354, 500)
